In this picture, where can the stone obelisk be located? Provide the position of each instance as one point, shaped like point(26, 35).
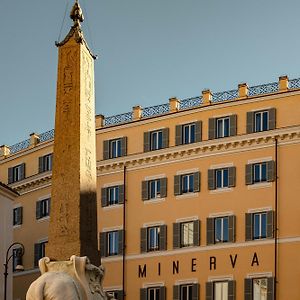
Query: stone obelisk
point(73, 220)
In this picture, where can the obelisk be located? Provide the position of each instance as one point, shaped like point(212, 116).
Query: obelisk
point(73, 219)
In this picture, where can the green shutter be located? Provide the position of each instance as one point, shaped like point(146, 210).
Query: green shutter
point(41, 164)
point(106, 149)
point(146, 141)
point(178, 135)
point(121, 194)
point(37, 254)
point(197, 180)
point(124, 146)
point(163, 237)
point(176, 292)
point(22, 176)
point(196, 233)
point(233, 125)
point(250, 122)
point(270, 222)
point(232, 176)
point(145, 190)
point(209, 290)
point(143, 294)
point(211, 128)
point(165, 137)
point(103, 250)
point(271, 288)
point(248, 289)
point(195, 291)
point(104, 199)
point(120, 241)
point(231, 290)
point(38, 212)
point(163, 187)
point(271, 170)
point(249, 174)
point(211, 179)
point(272, 118)
point(210, 232)
point(143, 240)
point(198, 131)
point(10, 175)
point(248, 227)
point(176, 235)
point(231, 228)
point(177, 185)
point(162, 293)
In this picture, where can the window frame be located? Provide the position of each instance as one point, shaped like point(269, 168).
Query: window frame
point(223, 128)
point(182, 235)
point(223, 294)
point(156, 140)
point(155, 244)
point(188, 292)
point(156, 290)
point(113, 195)
point(188, 133)
point(262, 170)
point(222, 240)
point(187, 186)
point(260, 225)
point(154, 189)
point(264, 116)
point(253, 282)
point(45, 208)
point(222, 184)
point(115, 148)
point(17, 171)
point(112, 244)
point(17, 215)
point(47, 162)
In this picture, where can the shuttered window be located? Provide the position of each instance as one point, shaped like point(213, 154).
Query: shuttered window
point(261, 120)
point(187, 183)
point(16, 173)
point(153, 189)
point(222, 127)
point(155, 140)
point(111, 243)
point(220, 290)
point(259, 225)
point(153, 293)
point(221, 178)
point(115, 148)
point(45, 163)
point(112, 195)
point(188, 133)
point(260, 172)
point(39, 252)
point(259, 288)
point(186, 292)
point(220, 230)
point(186, 234)
point(43, 208)
point(18, 215)
point(154, 238)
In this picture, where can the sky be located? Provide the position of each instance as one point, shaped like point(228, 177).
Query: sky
point(149, 51)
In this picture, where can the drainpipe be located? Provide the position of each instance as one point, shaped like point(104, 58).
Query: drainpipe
point(124, 234)
point(275, 220)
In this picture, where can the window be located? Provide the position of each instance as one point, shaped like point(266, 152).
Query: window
point(45, 163)
point(259, 288)
point(186, 234)
point(220, 229)
point(188, 133)
point(154, 189)
point(118, 295)
point(258, 121)
point(115, 148)
point(220, 290)
point(155, 140)
point(259, 225)
point(17, 215)
point(39, 252)
point(187, 183)
point(111, 243)
point(17, 258)
point(221, 178)
point(43, 208)
point(260, 172)
point(153, 293)
point(222, 127)
point(16, 173)
point(154, 238)
point(186, 291)
point(112, 195)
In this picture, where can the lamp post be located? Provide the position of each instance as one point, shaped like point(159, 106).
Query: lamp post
point(19, 253)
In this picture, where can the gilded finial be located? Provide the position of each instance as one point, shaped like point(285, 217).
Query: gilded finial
point(76, 14)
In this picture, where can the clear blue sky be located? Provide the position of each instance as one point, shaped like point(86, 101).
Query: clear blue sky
point(148, 52)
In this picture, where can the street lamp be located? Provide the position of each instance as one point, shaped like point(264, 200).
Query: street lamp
point(18, 254)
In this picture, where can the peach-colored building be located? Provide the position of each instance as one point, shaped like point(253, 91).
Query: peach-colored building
point(197, 198)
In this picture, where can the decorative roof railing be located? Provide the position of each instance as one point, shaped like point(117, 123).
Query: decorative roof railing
point(162, 109)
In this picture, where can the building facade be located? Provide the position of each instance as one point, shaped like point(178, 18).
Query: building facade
point(197, 198)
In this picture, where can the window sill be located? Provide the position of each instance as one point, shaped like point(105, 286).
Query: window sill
point(17, 226)
point(43, 219)
point(259, 185)
point(221, 190)
point(187, 195)
point(156, 200)
point(112, 207)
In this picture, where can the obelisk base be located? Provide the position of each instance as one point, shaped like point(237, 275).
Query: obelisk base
point(75, 279)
